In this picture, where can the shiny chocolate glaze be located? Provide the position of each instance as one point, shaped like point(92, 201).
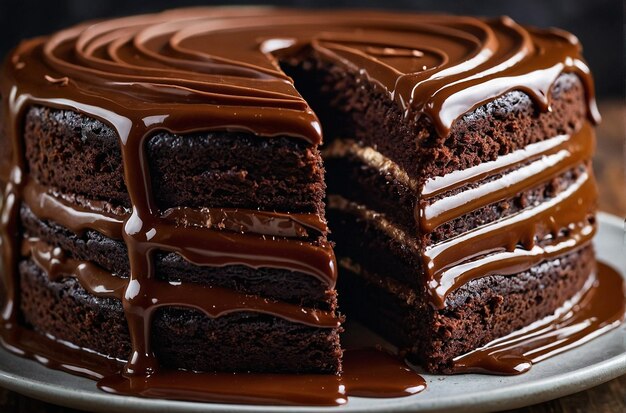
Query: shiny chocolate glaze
point(212, 301)
point(598, 308)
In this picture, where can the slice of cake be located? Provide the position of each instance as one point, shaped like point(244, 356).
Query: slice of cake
point(164, 187)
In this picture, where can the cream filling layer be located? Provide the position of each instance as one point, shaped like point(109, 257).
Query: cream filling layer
point(340, 148)
point(379, 220)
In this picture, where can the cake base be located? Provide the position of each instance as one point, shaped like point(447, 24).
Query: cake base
point(182, 338)
point(477, 313)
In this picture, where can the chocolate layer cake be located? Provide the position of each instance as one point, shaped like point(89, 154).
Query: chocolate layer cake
point(165, 192)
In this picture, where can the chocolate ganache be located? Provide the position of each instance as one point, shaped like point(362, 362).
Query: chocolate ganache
point(218, 69)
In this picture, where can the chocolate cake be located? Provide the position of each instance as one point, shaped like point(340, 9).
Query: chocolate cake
point(165, 185)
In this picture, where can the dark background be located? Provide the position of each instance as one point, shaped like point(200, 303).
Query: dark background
point(598, 23)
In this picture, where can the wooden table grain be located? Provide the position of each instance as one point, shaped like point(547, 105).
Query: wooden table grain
point(609, 165)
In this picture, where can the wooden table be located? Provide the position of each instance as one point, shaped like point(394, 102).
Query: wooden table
point(609, 167)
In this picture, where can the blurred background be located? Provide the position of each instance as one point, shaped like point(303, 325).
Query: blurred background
point(598, 23)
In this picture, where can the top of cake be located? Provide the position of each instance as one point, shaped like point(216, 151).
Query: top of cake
point(208, 68)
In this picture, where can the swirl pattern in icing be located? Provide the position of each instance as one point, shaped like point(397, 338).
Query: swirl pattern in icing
point(217, 68)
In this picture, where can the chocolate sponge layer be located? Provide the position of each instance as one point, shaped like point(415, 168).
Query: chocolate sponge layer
point(477, 313)
point(181, 338)
point(112, 255)
point(81, 155)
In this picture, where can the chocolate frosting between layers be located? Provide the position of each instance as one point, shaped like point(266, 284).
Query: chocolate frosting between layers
point(212, 301)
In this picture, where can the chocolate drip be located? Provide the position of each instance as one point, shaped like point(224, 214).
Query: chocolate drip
point(366, 373)
point(98, 216)
point(9, 225)
point(543, 165)
point(510, 245)
point(274, 224)
point(212, 301)
point(76, 218)
point(282, 389)
point(189, 232)
point(439, 185)
point(57, 354)
point(371, 373)
point(597, 309)
point(217, 248)
point(57, 266)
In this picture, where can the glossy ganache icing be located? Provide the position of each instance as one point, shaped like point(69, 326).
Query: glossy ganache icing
point(596, 309)
point(212, 69)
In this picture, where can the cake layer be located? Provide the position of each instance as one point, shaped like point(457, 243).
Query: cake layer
point(181, 338)
point(112, 255)
point(480, 311)
point(81, 155)
point(380, 191)
point(351, 107)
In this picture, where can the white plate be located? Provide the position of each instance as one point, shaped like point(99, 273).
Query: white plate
point(598, 361)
